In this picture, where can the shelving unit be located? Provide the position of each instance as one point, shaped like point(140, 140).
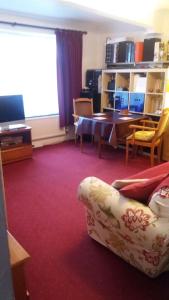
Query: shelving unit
point(138, 90)
point(142, 91)
point(16, 144)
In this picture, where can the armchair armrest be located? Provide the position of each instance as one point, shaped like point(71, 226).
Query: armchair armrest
point(142, 127)
point(93, 191)
point(149, 121)
point(98, 195)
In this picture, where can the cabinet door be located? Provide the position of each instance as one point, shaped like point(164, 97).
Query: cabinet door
point(6, 291)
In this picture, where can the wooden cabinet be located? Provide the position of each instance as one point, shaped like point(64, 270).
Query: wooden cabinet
point(18, 258)
point(138, 90)
point(16, 144)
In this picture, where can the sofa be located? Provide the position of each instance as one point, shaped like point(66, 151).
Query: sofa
point(133, 230)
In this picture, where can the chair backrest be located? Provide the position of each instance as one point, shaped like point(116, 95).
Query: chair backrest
point(83, 106)
point(162, 123)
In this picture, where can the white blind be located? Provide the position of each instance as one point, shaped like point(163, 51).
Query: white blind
point(28, 67)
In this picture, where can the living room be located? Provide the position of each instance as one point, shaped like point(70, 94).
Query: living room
point(42, 210)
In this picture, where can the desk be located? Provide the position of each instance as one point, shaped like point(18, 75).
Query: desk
point(110, 126)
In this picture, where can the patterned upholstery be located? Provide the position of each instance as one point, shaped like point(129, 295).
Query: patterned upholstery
point(128, 228)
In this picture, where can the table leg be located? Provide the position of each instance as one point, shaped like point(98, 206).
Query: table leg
point(81, 142)
point(99, 146)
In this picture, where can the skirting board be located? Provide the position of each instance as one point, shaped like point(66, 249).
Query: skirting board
point(48, 140)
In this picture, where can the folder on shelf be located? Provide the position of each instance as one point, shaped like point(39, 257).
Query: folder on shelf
point(16, 126)
point(121, 100)
point(136, 102)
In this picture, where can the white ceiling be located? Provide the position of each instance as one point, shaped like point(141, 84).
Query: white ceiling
point(104, 14)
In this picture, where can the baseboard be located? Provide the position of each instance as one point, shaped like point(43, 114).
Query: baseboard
point(48, 140)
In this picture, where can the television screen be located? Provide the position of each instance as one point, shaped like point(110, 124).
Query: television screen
point(11, 108)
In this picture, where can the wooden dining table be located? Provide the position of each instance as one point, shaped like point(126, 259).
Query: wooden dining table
point(109, 125)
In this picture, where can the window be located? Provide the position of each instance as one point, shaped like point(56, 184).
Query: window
point(28, 67)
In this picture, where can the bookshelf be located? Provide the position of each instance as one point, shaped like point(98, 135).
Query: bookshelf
point(138, 90)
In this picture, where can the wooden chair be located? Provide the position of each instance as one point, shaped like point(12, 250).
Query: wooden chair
point(148, 136)
point(81, 107)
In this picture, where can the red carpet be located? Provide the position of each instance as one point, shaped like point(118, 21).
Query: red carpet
point(46, 218)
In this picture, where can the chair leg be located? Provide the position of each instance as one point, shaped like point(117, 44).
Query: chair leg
point(141, 150)
point(159, 153)
point(135, 147)
point(76, 135)
point(152, 156)
point(127, 152)
point(81, 143)
point(92, 139)
point(99, 147)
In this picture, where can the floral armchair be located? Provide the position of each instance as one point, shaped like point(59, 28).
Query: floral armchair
point(127, 227)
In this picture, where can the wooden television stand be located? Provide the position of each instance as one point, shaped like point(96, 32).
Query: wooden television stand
point(15, 143)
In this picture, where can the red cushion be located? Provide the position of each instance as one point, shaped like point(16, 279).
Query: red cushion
point(154, 171)
point(142, 190)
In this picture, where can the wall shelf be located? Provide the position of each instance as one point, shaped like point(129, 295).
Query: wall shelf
point(142, 64)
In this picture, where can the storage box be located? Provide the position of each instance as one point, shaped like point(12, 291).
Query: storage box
point(139, 51)
point(136, 102)
point(121, 100)
point(139, 83)
point(148, 52)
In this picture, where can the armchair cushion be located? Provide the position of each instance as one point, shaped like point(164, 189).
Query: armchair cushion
point(141, 191)
point(154, 171)
point(142, 135)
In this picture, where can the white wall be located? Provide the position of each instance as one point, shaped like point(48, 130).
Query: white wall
point(46, 130)
point(161, 22)
point(93, 52)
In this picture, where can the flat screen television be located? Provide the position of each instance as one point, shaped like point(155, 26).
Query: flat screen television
point(11, 108)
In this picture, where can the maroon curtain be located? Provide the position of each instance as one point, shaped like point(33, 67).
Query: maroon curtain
point(69, 72)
